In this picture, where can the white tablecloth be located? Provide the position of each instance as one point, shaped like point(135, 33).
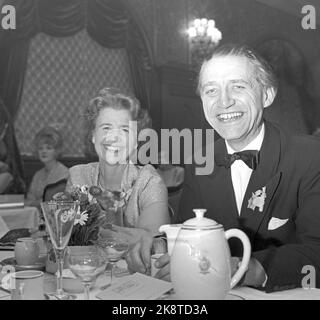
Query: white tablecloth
point(26, 217)
point(244, 292)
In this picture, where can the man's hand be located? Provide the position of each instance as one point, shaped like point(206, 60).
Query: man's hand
point(254, 277)
point(234, 261)
point(139, 256)
point(163, 263)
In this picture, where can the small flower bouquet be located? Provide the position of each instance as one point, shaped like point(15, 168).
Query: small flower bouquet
point(97, 209)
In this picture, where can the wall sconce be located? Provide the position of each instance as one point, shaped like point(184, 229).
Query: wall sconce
point(203, 38)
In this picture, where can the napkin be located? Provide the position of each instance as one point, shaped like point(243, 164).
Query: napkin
point(136, 287)
point(3, 228)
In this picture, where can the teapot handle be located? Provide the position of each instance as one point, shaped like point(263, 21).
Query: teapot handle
point(246, 254)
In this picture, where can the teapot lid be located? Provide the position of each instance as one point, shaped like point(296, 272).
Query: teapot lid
point(201, 221)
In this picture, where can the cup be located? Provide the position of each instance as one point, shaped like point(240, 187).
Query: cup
point(154, 258)
point(26, 251)
point(27, 285)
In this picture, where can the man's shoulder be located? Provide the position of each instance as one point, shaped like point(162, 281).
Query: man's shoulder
point(303, 144)
point(295, 141)
point(298, 150)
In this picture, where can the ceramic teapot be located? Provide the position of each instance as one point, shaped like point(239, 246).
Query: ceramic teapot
point(200, 258)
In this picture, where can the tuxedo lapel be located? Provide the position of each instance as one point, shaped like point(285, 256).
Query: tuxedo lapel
point(266, 175)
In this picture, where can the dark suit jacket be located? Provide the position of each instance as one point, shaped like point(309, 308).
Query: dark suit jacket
point(290, 169)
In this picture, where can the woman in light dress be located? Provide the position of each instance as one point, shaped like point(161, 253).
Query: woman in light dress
point(109, 118)
point(48, 144)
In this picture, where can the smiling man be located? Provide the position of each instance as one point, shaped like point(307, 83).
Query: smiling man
point(266, 182)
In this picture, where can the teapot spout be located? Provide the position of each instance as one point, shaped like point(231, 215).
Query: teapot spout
point(171, 231)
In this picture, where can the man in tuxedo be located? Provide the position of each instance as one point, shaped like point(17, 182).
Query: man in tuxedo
point(266, 182)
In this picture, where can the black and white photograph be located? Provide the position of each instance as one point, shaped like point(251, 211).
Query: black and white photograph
point(161, 150)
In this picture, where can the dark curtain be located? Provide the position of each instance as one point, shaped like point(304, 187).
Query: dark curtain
point(108, 22)
point(12, 155)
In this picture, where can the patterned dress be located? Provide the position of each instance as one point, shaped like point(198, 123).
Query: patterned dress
point(141, 186)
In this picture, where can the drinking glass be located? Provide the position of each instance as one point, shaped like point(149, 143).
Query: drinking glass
point(59, 217)
point(114, 247)
point(87, 263)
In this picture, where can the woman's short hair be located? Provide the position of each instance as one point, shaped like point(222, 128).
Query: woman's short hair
point(115, 99)
point(265, 74)
point(50, 136)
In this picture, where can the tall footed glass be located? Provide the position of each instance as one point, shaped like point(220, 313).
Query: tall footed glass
point(59, 217)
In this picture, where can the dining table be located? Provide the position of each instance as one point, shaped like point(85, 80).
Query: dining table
point(24, 217)
point(238, 293)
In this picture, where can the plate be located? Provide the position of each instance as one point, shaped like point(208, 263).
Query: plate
point(7, 245)
point(171, 296)
point(12, 261)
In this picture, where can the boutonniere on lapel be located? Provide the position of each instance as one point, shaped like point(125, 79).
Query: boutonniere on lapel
point(257, 199)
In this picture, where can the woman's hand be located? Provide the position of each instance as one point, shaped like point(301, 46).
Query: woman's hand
point(133, 235)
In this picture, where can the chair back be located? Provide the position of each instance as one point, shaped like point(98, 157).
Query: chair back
point(51, 189)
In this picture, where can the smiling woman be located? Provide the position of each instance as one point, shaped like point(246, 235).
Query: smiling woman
point(108, 119)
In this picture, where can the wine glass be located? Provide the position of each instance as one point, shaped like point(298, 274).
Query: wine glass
point(114, 247)
point(59, 218)
point(86, 263)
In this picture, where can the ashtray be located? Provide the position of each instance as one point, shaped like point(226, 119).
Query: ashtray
point(12, 261)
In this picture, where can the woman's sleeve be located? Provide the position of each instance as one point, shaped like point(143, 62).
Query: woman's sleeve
point(154, 191)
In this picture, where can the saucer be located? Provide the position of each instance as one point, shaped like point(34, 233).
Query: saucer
point(12, 261)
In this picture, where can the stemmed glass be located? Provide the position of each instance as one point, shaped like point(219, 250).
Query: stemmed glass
point(114, 247)
point(59, 218)
point(86, 263)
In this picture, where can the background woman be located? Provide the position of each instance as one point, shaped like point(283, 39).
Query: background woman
point(48, 144)
point(114, 140)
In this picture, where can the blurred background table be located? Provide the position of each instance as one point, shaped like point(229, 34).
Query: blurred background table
point(26, 217)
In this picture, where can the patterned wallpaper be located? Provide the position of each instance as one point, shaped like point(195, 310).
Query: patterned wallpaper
point(75, 67)
point(63, 74)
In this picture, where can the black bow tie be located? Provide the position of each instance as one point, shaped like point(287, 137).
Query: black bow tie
point(249, 157)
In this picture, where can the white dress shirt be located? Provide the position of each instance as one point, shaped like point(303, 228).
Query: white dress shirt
point(240, 172)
